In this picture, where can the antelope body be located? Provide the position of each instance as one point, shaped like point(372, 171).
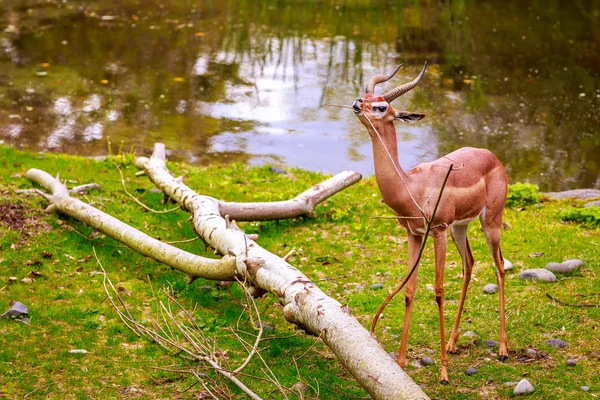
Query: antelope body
point(476, 188)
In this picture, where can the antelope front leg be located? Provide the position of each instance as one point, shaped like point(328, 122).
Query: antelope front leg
point(414, 245)
point(440, 241)
point(459, 236)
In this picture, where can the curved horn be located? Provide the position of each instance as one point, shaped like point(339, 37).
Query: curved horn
point(400, 90)
point(380, 78)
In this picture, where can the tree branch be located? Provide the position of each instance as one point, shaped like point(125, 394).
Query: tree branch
point(304, 303)
point(191, 264)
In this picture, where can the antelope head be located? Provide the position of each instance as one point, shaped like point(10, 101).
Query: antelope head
point(376, 112)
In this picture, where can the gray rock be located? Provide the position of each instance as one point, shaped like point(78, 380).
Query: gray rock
point(531, 351)
point(393, 355)
point(491, 343)
point(470, 371)
point(571, 362)
point(17, 310)
point(557, 343)
point(507, 265)
point(585, 388)
point(490, 288)
point(277, 170)
point(538, 274)
point(469, 334)
point(564, 267)
point(427, 361)
point(376, 286)
point(523, 387)
point(576, 193)
point(510, 384)
point(592, 204)
point(429, 287)
point(416, 364)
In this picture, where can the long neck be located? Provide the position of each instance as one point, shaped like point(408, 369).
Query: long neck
point(388, 173)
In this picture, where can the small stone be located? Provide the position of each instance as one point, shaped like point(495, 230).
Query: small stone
point(538, 274)
point(154, 190)
point(470, 371)
point(469, 334)
point(564, 267)
point(490, 288)
point(427, 361)
point(27, 280)
point(575, 263)
point(557, 343)
point(585, 388)
point(276, 170)
point(376, 286)
point(393, 355)
point(531, 351)
point(592, 204)
point(510, 384)
point(429, 287)
point(571, 362)
point(507, 265)
point(416, 364)
point(523, 387)
point(491, 343)
point(78, 351)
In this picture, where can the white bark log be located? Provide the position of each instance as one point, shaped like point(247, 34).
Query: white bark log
point(191, 264)
point(302, 204)
point(304, 303)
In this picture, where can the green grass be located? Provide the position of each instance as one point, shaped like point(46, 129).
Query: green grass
point(340, 247)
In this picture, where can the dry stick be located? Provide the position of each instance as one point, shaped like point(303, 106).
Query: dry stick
point(138, 201)
point(414, 267)
point(157, 339)
point(569, 304)
point(40, 388)
point(258, 337)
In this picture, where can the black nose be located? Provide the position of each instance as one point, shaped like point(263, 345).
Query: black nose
point(356, 106)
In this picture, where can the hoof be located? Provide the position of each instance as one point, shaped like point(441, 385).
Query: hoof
point(451, 351)
point(444, 382)
point(503, 358)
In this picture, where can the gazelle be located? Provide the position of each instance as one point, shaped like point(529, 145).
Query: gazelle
point(476, 187)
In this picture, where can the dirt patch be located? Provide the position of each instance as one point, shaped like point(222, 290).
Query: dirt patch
point(12, 215)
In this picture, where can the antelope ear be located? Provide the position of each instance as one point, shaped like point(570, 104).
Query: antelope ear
point(408, 117)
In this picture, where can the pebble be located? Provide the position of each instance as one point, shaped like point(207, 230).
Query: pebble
point(507, 265)
point(78, 351)
point(491, 343)
point(470, 371)
point(393, 355)
point(469, 334)
point(564, 267)
point(490, 288)
point(523, 387)
point(571, 362)
point(531, 351)
point(429, 287)
point(510, 384)
point(585, 388)
point(538, 274)
point(557, 343)
point(376, 286)
point(276, 170)
point(427, 361)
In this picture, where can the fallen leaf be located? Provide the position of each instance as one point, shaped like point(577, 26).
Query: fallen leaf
point(200, 34)
point(45, 65)
point(178, 79)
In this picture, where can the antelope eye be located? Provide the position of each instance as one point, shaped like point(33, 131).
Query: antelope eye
point(381, 108)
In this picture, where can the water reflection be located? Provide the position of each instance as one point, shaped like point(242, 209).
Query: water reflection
point(244, 80)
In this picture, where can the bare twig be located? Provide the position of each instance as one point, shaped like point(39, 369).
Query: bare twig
point(570, 304)
point(35, 390)
point(429, 220)
point(132, 197)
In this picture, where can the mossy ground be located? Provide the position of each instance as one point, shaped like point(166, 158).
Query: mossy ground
point(341, 247)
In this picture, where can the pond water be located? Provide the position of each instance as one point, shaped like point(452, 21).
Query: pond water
point(245, 80)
